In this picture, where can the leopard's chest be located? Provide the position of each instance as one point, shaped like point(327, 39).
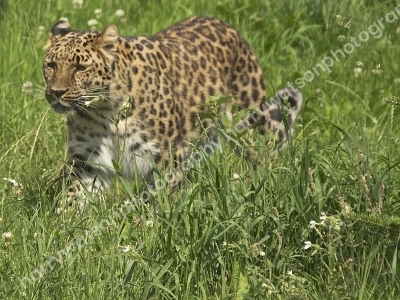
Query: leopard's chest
point(109, 149)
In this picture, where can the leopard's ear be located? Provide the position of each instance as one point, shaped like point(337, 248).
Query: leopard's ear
point(107, 42)
point(61, 27)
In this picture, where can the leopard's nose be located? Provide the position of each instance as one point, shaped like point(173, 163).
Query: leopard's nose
point(58, 93)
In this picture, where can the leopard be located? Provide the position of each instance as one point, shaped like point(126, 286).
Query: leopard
point(132, 103)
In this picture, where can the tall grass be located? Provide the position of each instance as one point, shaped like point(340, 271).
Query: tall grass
point(232, 231)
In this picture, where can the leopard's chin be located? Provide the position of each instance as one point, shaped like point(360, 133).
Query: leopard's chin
point(62, 109)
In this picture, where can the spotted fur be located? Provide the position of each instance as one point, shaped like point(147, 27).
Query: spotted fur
point(133, 99)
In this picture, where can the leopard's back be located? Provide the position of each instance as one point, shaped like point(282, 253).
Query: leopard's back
point(214, 59)
point(208, 58)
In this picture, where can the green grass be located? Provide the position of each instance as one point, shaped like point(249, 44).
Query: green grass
point(217, 237)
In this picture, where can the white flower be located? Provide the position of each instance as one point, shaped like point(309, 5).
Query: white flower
point(339, 20)
point(262, 253)
point(92, 23)
point(323, 217)
point(17, 187)
point(41, 29)
point(60, 211)
point(360, 63)
point(264, 285)
point(341, 38)
point(236, 176)
point(377, 71)
point(357, 72)
point(289, 272)
point(77, 4)
point(98, 13)
point(6, 236)
point(312, 224)
point(13, 181)
point(119, 13)
point(126, 249)
point(307, 244)
point(27, 87)
point(224, 244)
point(149, 223)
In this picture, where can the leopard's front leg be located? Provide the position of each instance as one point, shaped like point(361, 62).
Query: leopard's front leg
point(82, 176)
point(88, 171)
point(92, 147)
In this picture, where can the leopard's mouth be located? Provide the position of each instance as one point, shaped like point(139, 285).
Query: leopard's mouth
point(96, 100)
point(59, 105)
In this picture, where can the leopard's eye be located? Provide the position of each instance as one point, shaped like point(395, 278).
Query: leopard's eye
point(81, 68)
point(51, 65)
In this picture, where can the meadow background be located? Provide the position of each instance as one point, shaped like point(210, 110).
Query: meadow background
point(222, 236)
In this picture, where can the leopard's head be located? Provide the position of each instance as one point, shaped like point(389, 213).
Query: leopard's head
point(78, 66)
